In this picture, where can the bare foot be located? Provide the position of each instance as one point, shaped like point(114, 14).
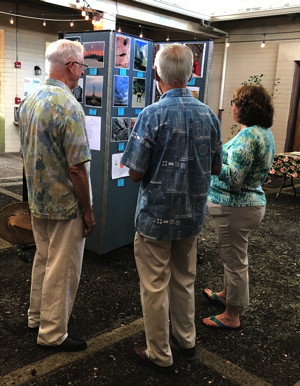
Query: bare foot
point(218, 297)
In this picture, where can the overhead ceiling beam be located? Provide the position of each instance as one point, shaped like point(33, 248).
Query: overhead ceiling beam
point(152, 17)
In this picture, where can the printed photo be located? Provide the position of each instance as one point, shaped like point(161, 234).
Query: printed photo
point(121, 90)
point(93, 91)
point(122, 59)
point(94, 54)
point(199, 55)
point(194, 91)
point(77, 91)
point(120, 129)
point(132, 123)
point(155, 93)
point(140, 55)
point(138, 92)
point(74, 38)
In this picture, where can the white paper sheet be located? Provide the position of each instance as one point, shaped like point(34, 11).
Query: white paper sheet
point(93, 129)
point(117, 169)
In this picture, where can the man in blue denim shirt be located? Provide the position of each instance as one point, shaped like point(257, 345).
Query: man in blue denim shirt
point(174, 148)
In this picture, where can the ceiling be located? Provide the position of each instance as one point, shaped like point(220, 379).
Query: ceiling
point(219, 10)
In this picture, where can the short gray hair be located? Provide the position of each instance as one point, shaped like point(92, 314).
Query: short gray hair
point(63, 51)
point(174, 63)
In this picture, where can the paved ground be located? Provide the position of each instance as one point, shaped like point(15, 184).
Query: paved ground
point(107, 312)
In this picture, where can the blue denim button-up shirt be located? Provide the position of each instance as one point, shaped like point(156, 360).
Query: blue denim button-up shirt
point(175, 142)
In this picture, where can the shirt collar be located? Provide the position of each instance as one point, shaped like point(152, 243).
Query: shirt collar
point(177, 92)
point(58, 83)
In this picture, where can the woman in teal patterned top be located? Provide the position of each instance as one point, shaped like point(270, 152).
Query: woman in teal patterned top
point(237, 201)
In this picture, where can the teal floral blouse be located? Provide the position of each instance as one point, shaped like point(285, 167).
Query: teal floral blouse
point(247, 159)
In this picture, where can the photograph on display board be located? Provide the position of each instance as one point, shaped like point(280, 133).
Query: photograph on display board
point(120, 129)
point(138, 92)
point(94, 54)
point(195, 91)
point(199, 55)
point(122, 58)
point(140, 55)
point(74, 38)
point(93, 91)
point(155, 93)
point(132, 123)
point(121, 90)
point(77, 91)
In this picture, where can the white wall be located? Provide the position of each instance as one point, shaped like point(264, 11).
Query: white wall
point(246, 58)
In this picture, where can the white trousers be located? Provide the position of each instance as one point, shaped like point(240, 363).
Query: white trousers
point(167, 272)
point(55, 276)
point(233, 226)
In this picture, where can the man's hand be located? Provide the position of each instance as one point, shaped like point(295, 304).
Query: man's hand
point(89, 223)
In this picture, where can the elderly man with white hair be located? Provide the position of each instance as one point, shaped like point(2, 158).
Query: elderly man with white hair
point(174, 148)
point(56, 155)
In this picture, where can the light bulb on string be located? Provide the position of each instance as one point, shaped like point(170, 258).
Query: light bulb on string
point(83, 12)
point(263, 44)
point(44, 23)
point(141, 33)
point(11, 20)
point(167, 38)
point(87, 17)
point(227, 41)
point(71, 23)
point(119, 28)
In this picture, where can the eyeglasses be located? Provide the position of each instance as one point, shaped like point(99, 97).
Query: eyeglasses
point(84, 66)
point(232, 102)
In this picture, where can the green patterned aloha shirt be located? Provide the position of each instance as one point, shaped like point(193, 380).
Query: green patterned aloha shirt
point(247, 159)
point(53, 138)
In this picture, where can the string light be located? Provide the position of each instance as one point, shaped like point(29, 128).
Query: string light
point(141, 33)
point(83, 12)
point(168, 37)
point(87, 17)
point(119, 28)
point(263, 44)
point(71, 23)
point(44, 23)
point(227, 41)
point(11, 20)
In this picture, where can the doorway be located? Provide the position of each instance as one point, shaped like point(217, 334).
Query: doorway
point(292, 142)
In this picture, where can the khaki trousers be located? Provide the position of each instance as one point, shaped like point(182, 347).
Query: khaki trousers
point(233, 226)
point(167, 271)
point(55, 276)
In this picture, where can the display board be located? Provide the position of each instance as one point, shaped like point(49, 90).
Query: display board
point(202, 51)
point(114, 89)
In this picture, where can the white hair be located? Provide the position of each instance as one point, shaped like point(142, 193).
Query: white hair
point(174, 63)
point(63, 51)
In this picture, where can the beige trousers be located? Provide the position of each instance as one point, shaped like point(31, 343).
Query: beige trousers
point(55, 277)
point(167, 271)
point(233, 226)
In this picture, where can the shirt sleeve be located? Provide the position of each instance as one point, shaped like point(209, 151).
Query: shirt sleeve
point(240, 157)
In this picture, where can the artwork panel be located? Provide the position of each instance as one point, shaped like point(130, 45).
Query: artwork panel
point(121, 87)
point(122, 52)
point(94, 54)
point(93, 91)
point(78, 91)
point(138, 92)
point(140, 55)
point(120, 129)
